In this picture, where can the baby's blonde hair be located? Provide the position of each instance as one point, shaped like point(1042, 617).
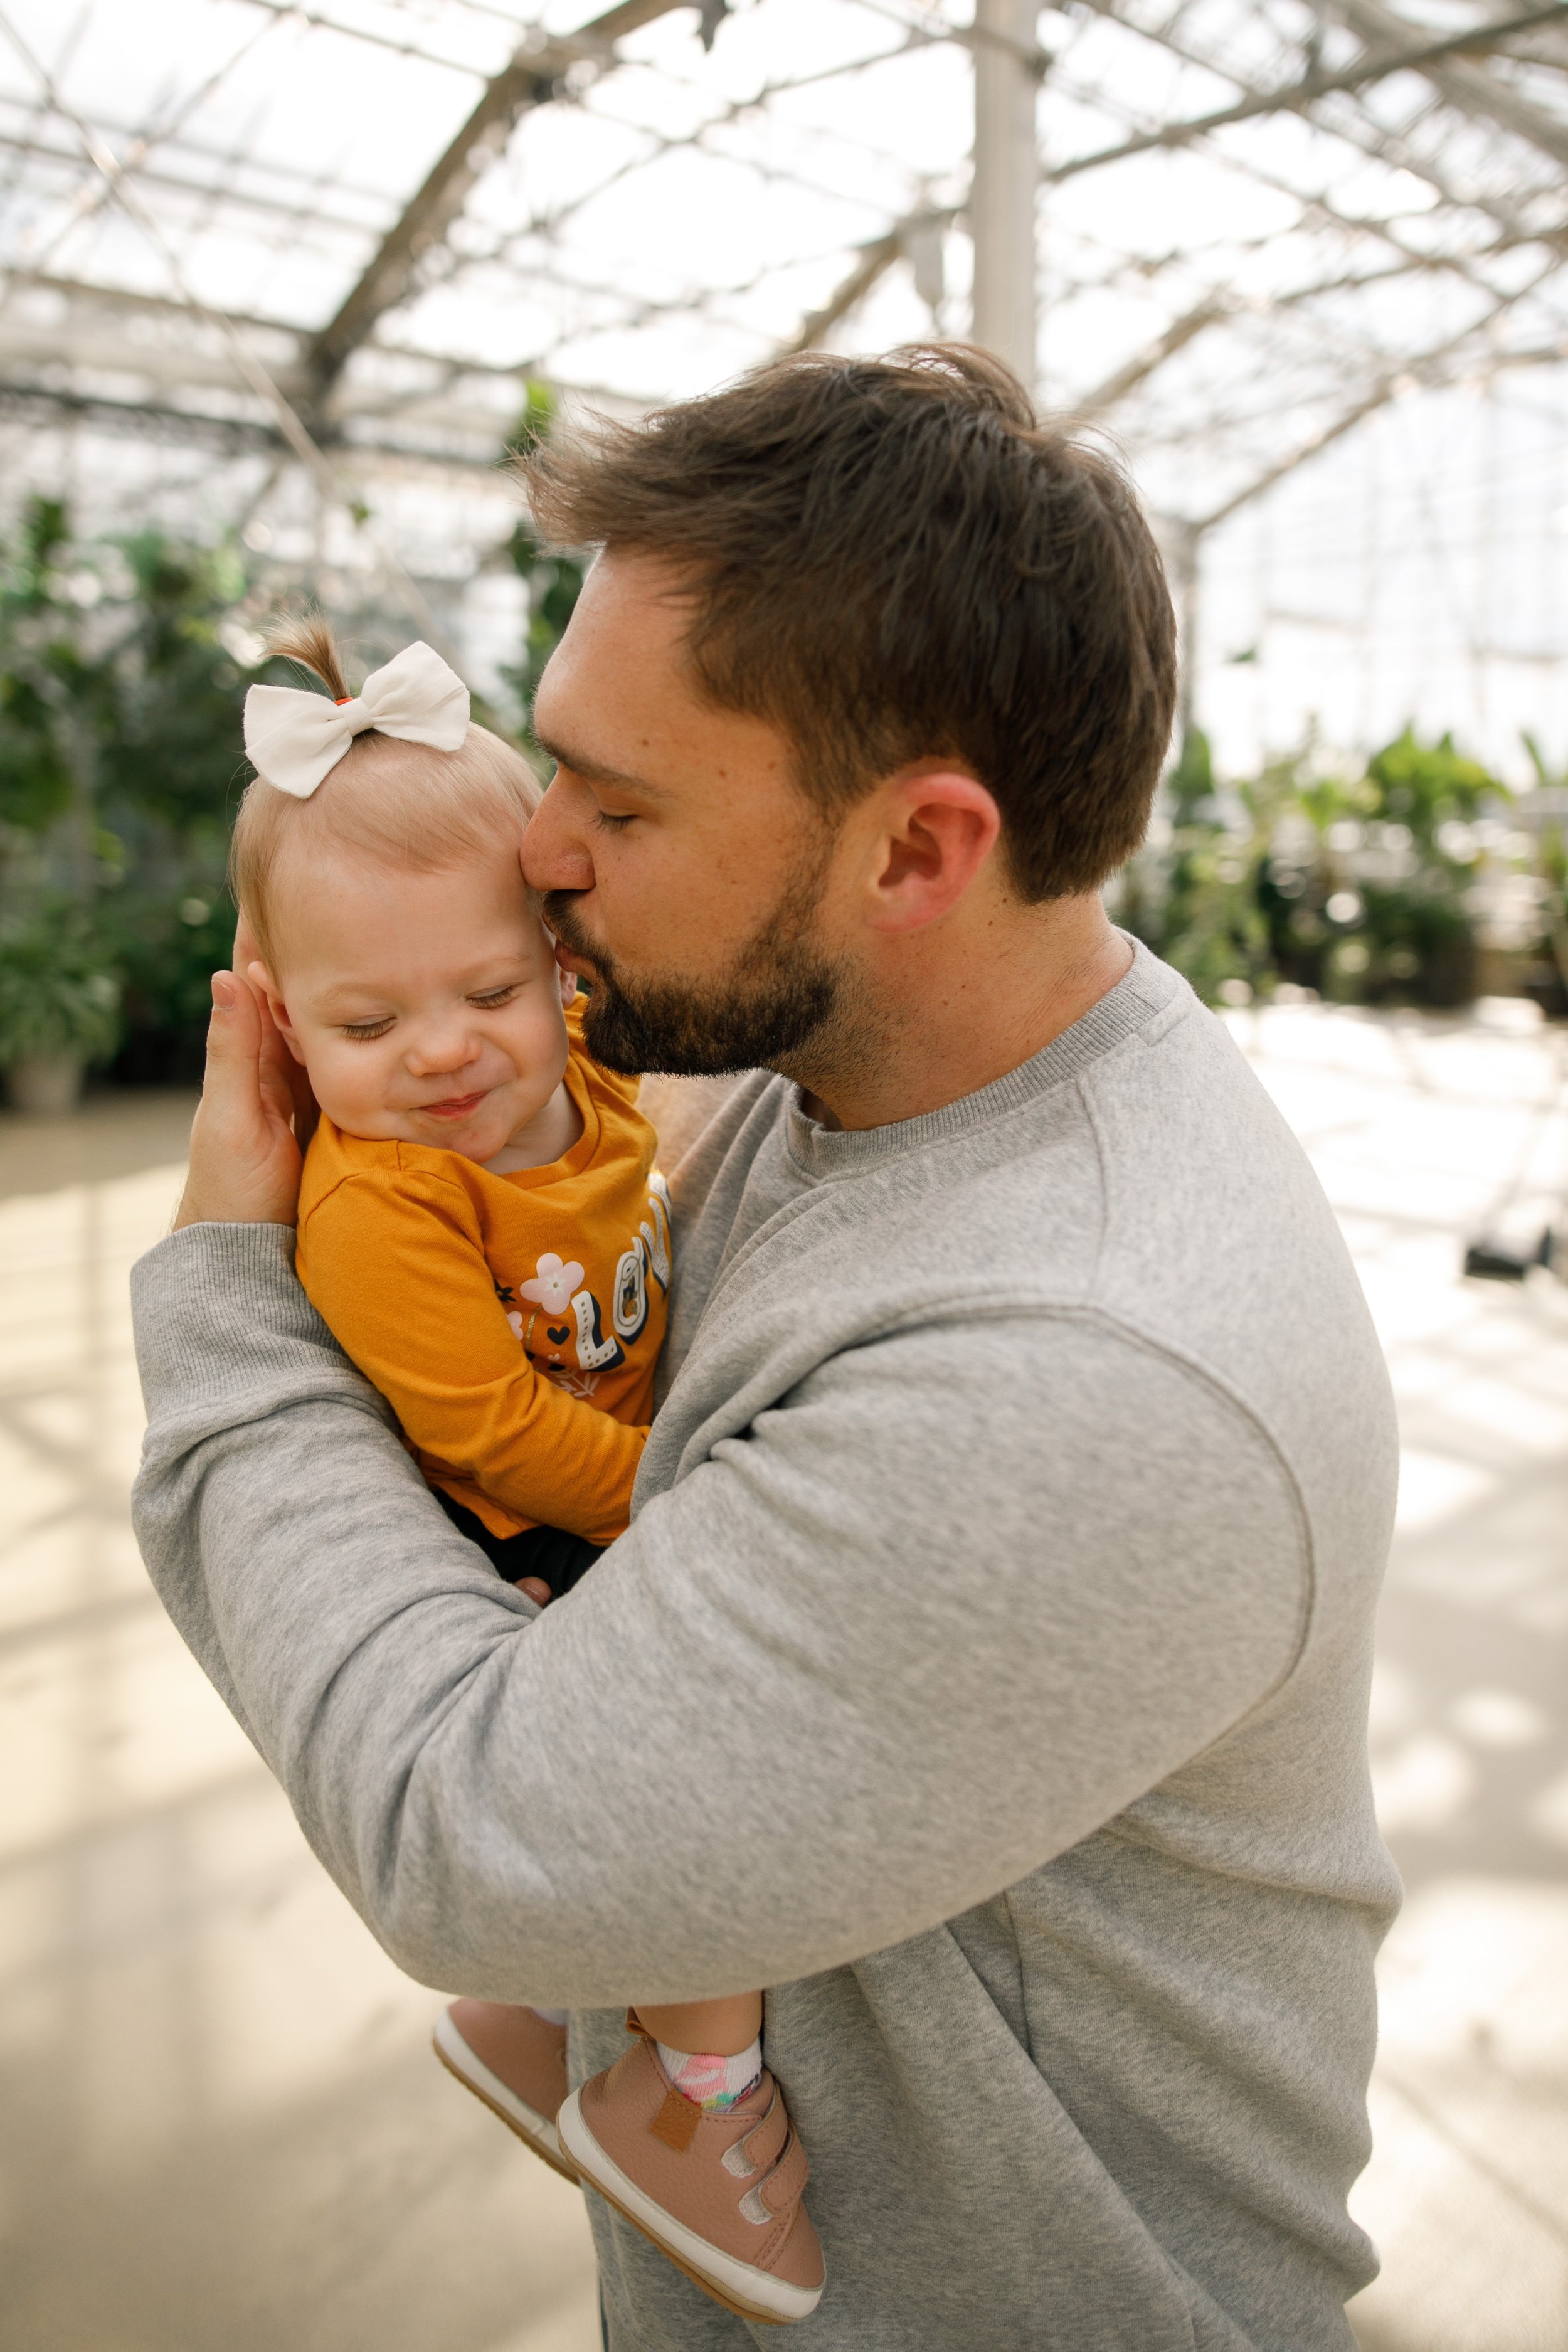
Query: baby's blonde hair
point(404, 805)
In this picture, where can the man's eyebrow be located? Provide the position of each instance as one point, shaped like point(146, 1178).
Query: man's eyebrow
point(597, 772)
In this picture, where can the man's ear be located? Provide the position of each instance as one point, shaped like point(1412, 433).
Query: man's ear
point(262, 979)
point(936, 828)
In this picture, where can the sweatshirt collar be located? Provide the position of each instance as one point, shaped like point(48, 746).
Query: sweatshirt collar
point(1146, 989)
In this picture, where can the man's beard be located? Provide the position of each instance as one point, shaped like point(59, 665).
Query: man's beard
point(766, 1011)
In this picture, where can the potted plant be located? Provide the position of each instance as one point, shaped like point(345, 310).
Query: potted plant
point(59, 1007)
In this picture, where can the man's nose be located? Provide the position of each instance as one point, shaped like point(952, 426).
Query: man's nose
point(554, 853)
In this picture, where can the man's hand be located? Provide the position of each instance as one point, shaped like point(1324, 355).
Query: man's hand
point(245, 1153)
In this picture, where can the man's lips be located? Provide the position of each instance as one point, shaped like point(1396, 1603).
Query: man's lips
point(572, 959)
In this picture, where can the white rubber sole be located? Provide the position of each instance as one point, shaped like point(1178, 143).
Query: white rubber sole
point(534, 2129)
point(742, 2288)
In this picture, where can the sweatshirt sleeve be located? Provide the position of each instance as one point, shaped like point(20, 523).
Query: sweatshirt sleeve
point(957, 1599)
point(398, 1273)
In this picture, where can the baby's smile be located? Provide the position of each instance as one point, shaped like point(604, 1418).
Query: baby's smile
point(427, 1008)
point(455, 1105)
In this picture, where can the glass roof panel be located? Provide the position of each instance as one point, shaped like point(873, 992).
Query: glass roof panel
point(641, 218)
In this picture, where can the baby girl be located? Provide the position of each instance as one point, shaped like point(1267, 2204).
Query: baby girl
point(483, 1228)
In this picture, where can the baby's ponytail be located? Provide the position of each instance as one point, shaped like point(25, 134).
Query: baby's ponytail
point(400, 803)
point(306, 638)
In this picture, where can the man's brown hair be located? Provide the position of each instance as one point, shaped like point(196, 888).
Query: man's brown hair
point(892, 560)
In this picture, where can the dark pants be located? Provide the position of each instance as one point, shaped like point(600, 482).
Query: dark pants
point(547, 1552)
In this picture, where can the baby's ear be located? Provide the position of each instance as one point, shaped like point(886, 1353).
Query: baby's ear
point(568, 986)
point(261, 979)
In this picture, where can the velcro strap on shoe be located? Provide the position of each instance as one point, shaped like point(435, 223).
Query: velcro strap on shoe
point(676, 2122)
point(789, 2176)
point(766, 2137)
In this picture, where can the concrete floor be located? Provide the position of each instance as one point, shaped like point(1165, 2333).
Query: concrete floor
point(1423, 1130)
point(221, 2128)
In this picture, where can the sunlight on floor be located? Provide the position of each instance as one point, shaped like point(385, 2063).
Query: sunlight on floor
point(223, 2125)
point(1425, 1131)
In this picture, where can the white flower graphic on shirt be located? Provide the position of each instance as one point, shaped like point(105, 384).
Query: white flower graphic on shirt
point(553, 1284)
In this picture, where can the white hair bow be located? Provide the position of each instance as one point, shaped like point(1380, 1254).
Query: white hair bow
point(295, 738)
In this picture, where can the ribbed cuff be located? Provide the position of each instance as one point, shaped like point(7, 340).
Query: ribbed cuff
point(219, 1307)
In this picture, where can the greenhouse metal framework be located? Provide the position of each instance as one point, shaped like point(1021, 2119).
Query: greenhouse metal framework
point(316, 253)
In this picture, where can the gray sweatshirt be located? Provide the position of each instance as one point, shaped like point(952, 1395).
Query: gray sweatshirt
point(985, 1672)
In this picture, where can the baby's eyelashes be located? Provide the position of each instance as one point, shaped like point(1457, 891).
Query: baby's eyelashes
point(490, 1000)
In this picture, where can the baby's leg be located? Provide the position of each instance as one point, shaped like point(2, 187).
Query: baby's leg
point(689, 2134)
point(712, 2050)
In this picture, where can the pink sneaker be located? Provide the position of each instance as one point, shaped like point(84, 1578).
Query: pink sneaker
point(516, 2062)
point(718, 2191)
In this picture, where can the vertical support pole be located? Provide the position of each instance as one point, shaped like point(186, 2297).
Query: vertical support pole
point(1181, 543)
point(1006, 184)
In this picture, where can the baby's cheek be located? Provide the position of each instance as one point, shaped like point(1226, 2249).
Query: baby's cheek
point(346, 1084)
point(544, 1047)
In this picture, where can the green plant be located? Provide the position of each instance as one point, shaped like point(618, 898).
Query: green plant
point(51, 689)
point(1356, 887)
point(166, 953)
point(123, 669)
point(1428, 787)
point(124, 665)
point(553, 577)
point(59, 993)
point(1193, 895)
point(172, 748)
point(1548, 983)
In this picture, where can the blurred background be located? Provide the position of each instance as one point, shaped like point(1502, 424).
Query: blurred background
point(281, 289)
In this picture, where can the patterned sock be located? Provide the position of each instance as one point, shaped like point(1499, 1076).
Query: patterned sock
point(709, 2081)
point(550, 2016)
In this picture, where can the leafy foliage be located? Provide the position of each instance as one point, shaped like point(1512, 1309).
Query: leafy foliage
point(1426, 787)
point(553, 577)
point(121, 700)
point(1551, 873)
point(555, 583)
point(45, 684)
point(58, 991)
point(1199, 906)
point(1360, 887)
point(123, 670)
point(173, 751)
point(35, 782)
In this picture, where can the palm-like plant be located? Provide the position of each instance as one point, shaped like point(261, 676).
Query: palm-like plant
point(59, 999)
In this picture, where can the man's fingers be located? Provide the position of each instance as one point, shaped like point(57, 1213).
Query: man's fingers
point(536, 1588)
point(234, 1032)
point(284, 1075)
point(245, 1162)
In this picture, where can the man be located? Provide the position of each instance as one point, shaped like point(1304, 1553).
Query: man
point(984, 1670)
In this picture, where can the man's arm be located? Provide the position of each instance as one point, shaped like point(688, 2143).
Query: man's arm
point(958, 1599)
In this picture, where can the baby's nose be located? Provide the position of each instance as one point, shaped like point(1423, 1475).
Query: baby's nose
point(434, 1052)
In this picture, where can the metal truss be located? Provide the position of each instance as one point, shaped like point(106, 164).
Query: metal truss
point(1261, 220)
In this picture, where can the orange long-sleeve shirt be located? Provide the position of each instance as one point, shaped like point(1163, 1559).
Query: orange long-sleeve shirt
point(513, 1322)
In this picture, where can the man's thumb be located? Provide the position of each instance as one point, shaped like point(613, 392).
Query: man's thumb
point(234, 1032)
